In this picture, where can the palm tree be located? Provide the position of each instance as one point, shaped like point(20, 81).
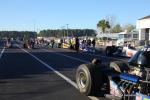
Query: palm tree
point(103, 24)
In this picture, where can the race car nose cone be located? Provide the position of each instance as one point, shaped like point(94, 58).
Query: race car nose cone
point(96, 61)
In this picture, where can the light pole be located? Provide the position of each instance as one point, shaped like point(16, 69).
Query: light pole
point(67, 29)
point(34, 25)
point(62, 31)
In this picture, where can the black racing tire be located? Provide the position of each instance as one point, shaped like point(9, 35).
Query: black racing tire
point(24, 45)
point(71, 47)
point(119, 66)
point(108, 51)
point(89, 79)
point(59, 45)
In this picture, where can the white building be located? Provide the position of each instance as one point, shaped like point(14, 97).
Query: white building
point(127, 37)
point(143, 25)
point(108, 35)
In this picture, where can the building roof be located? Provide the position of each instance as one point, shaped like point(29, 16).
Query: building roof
point(146, 17)
point(108, 35)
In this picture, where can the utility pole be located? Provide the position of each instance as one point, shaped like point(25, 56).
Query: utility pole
point(67, 29)
point(34, 25)
point(62, 28)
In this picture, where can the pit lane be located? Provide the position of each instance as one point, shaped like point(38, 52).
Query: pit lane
point(23, 77)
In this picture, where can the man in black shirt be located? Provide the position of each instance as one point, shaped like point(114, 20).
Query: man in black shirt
point(77, 44)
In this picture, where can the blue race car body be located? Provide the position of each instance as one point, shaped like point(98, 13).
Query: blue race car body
point(127, 87)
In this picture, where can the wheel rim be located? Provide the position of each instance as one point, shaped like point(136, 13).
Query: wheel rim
point(82, 79)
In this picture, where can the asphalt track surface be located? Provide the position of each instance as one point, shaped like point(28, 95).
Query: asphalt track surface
point(42, 74)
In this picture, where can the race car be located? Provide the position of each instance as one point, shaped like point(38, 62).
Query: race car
point(125, 51)
point(86, 48)
point(83, 48)
point(128, 81)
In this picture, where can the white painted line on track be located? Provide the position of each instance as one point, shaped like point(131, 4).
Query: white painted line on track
point(51, 68)
point(84, 61)
point(58, 73)
point(91, 97)
point(103, 56)
point(2, 52)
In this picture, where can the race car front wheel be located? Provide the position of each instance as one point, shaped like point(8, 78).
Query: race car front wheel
point(89, 79)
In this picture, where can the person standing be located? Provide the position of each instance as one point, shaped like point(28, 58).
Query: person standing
point(93, 43)
point(61, 43)
point(52, 43)
point(89, 42)
point(77, 44)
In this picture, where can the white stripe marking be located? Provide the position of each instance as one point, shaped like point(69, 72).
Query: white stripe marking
point(113, 58)
point(59, 74)
point(91, 97)
point(103, 56)
point(2, 52)
point(84, 61)
point(55, 71)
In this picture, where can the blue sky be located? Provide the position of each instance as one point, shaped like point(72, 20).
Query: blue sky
point(53, 14)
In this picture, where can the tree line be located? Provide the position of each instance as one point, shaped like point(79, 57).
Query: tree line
point(105, 25)
point(18, 34)
point(109, 24)
point(65, 32)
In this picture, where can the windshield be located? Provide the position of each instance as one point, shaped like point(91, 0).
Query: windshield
point(121, 36)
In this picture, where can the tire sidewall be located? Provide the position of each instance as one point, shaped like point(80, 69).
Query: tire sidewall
point(84, 90)
point(108, 51)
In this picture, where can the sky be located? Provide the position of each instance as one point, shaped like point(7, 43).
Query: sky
point(30, 15)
